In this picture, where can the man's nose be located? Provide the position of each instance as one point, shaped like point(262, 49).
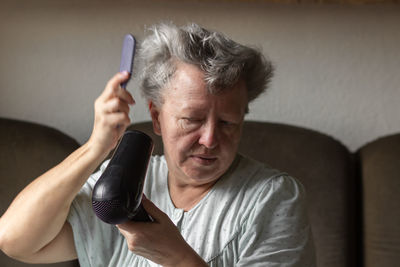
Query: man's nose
point(209, 135)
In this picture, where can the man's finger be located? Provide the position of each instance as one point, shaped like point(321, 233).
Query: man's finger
point(115, 105)
point(113, 85)
point(152, 209)
point(127, 97)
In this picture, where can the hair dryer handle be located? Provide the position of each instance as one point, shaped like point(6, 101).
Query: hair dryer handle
point(141, 215)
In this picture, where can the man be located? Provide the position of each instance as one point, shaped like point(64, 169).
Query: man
point(211, 205)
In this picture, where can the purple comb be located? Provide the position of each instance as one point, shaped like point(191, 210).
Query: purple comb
point(127, 56)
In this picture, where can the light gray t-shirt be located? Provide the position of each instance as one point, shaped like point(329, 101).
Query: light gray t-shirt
point(253, 216)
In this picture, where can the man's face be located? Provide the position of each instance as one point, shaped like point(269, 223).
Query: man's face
point(200, 131)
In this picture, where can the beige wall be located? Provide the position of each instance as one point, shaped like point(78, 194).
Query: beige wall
point(338, 67)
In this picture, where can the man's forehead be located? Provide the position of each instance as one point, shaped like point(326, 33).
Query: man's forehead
point(187, 100)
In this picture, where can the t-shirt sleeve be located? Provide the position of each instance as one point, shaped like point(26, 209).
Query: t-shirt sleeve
point(277, 231)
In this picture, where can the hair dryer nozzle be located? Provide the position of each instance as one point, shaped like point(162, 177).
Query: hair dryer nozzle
point(117, 195)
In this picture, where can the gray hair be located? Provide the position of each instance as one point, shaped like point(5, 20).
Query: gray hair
point(223, 61)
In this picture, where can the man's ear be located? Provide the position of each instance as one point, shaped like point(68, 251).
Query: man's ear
point(155, 113)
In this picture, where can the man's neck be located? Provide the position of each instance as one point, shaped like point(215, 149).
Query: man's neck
point(185, 196)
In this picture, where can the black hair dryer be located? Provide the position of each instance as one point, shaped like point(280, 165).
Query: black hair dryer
point(117, 195)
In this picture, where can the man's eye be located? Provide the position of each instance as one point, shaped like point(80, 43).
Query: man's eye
point(190, 123)
point(192, 120)
point(227, 123)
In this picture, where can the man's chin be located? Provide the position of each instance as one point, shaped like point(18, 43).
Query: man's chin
point(203, 174)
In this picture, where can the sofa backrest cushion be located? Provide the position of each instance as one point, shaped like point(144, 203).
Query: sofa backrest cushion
point(380, 172)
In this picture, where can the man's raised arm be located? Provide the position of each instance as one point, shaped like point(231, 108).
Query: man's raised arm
point(34, 227)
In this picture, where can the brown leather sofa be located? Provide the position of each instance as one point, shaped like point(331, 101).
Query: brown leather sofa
point(354, 201)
